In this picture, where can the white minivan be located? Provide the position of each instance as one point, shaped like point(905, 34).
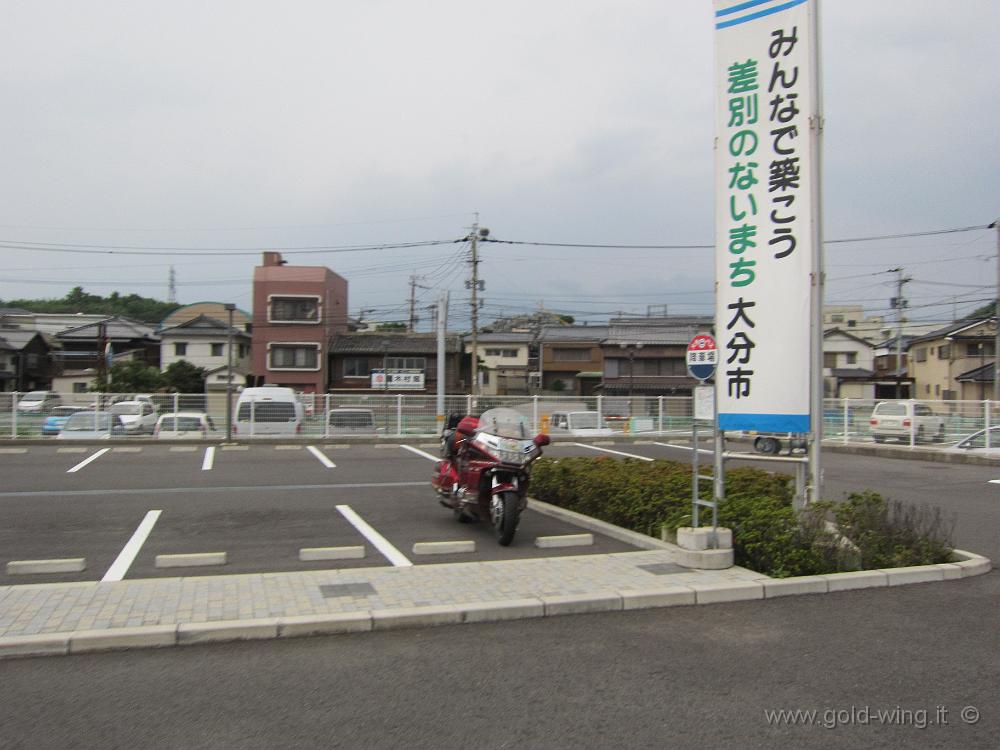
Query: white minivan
point(268, 410)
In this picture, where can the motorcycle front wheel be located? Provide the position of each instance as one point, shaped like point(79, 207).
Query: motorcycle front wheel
point(505, 511)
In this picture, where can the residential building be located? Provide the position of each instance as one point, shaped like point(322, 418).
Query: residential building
point(848, 365)
point(648, 356)
point(892, 381)
point(873, 328)
point(8, 365)
point(47, 324)
point(26, 355)
point(217, 310)
point(375, 363)
point(204, 342)
point(570, 359)
point(297, 311)
point(92, 344)
point(503, 363)
point(953, 362)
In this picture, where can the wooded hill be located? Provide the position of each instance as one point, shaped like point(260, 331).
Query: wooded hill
point(141, 309)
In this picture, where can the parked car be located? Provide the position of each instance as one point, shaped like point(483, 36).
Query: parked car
point(53, 423)
point(138, 416)
point(976, 443)
point(184, 424)
point(578, 424)
point(38, 402)
point(772, 443)
point(899, 420)
point(345, 420)
point(90, 425)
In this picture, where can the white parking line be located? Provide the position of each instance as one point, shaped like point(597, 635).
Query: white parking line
point(617, 453)
point(682, 447)
point(378, 541)
point(87, 460)
point(209, 461)
point(420, 453)
point(128, 554)
point(322, 457)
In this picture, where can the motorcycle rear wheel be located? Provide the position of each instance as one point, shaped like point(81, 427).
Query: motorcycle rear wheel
point(505, 512)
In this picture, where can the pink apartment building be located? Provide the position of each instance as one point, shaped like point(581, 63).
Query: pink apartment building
point(296, 312)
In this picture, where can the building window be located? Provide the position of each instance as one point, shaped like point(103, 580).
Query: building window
point(921, 355)
point(180, 349)
point(244, 350)
point(852, 358)
point(979, 349)
point(937, 389)
point(563, 354)
point(79, 387)
point(406, 363)
point(944, 352)
point(217, 350)
point(356, 367)
point(293, 357)
point(852, 323)
point(829, 359)
point(836, 318)
point(501, 353)
point(293, 309)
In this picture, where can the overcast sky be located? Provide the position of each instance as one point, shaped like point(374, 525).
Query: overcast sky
point(255, 125)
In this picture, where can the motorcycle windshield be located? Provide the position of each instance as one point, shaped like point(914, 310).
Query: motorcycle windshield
point(505, 423)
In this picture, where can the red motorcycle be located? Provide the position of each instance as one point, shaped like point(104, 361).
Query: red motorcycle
point(487, 468)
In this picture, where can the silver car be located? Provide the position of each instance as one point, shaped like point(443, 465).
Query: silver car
point(91, 425)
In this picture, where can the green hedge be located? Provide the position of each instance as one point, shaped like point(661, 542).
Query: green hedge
point(768, 535)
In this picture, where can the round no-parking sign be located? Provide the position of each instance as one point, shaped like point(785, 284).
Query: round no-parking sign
point(702, 357)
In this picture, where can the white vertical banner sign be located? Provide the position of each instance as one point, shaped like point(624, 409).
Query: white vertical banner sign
point(766, 99)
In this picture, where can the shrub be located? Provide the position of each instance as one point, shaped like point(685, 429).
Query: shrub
point(768, 535)
point(890, 534)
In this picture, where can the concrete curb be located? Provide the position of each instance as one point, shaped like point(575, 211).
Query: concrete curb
point(564, 540)
point(52, 644)
point(601, 527)
point(444, 548)
point(35, 567)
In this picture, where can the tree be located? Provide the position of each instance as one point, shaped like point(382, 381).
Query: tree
point(391, 327)
point(183, 377)
point(985, 311)
point(133, 376)
point(143, 309)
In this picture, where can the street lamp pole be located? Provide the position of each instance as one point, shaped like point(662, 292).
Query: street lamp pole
point(230, 307)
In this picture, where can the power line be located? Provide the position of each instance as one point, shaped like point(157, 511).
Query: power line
point(929, 233)
point(54, 247)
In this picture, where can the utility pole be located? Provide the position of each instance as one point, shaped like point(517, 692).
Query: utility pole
point(412, 326)
point(441, 325)
point(172, 286)
point(475, 285)
point(996, 342)
point(230, 308)
point(899, 303)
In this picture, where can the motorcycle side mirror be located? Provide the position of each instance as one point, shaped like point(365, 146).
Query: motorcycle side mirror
point(541, 440)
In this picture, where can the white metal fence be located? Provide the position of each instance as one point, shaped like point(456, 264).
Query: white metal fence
point(344, 415)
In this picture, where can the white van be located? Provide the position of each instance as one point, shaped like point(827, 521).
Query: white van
point(268, 410)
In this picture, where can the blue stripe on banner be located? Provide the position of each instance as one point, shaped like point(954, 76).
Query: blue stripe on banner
point(759, 14)
point(742, 6)
point(765, 422)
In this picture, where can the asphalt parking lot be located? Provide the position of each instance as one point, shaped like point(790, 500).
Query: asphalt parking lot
point(119, 507)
